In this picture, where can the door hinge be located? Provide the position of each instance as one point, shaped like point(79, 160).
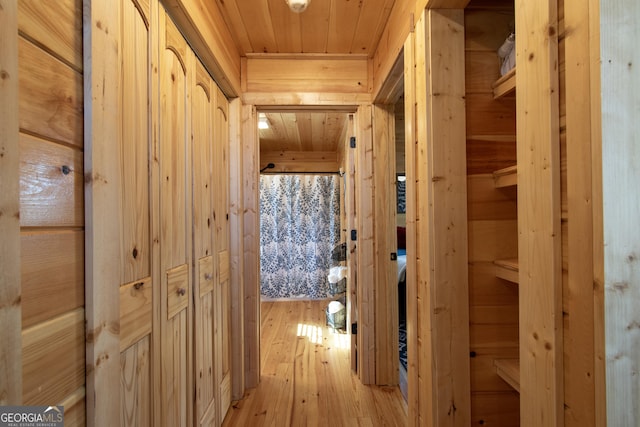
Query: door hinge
point(352, 142)
point(354, 328)
point(354, 235)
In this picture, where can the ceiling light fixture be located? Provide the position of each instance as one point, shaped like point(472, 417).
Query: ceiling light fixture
point(298, 6)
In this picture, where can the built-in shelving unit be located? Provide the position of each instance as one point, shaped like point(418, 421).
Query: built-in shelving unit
point(507, 269)
point(506, 177)
point(509, 370)
point(505, 85)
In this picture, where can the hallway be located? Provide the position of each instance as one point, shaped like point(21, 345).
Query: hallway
point(306, 379)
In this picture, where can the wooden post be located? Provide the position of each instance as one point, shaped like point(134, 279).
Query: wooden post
point(236, 247)
point(413, 368)
point(539, 240)
point(441, 221)
point(102, 247)
point(250, 174)
point(10, 306)
point(365, 246)
point(620, 92)
point(579, 337)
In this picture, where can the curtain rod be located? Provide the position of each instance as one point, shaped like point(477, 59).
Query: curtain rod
point(302, 173)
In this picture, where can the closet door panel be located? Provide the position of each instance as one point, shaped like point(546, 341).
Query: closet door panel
point(221, 215)
point(202, 141)
point(175, 225)
point(136, 286)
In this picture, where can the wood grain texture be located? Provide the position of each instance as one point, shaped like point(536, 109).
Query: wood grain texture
point(350, 223)
point(10, 292)
point(620, 173)
point(386, 274)
point(307, 378)
point(222, 291)
point(176, 78)
point(51, 96)
point(221, 167)
point(598, 222)
point(102, 173)
point(177, 289)
point(55, 26)
point(51, 184)
point(423, 342)
point(316, 74)
point(52, 274)
point(134, 145)
point(539, 248)
point(579, 342)
point(446, 260)
point(411, 154)
point(75, 408)
point(135, 383)
point(203, 24)
point(364, 188)
point(202, 170)
point(53, 355)
point(298, 161)
point(399, 24)
point(303, 132)
point(135, 312)
point(236, 247)
point(205, 374)
point(251, 225)
point(325, 27)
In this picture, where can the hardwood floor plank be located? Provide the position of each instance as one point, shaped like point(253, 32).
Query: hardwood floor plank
point(307, 379)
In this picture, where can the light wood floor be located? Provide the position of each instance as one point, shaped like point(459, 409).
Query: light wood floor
point(306, 377)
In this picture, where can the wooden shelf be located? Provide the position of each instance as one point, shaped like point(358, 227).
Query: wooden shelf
point(509, 370)
point(505, 85)
point(507, 269)
point(506, 177)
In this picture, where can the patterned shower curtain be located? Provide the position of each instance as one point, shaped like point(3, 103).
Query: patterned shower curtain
point(299, 227)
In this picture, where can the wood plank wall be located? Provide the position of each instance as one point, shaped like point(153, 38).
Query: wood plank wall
point(492, 215)
point(10, 289)
point(618, 176)
point(51, 203)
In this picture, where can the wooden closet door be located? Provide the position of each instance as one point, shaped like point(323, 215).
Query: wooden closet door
point(136, 287)
point(221, 215)
point(175, 229)
point(203, 225)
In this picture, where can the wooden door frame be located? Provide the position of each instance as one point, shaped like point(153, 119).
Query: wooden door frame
point(10, 286)
point(360, 105)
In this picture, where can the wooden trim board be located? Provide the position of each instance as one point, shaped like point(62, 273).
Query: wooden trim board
point(10, 306)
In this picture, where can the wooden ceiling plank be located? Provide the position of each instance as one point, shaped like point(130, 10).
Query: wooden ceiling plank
point(232, 17)
point(287, 27)
point(316, 27)
point(307, 138)
point(291, 131)
point(370, 26)
point(256, 19)
point(343, 20)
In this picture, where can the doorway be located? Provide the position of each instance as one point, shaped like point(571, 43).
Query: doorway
point(303, 215)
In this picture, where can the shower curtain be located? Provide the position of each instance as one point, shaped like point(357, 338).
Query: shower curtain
point(299, 227)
